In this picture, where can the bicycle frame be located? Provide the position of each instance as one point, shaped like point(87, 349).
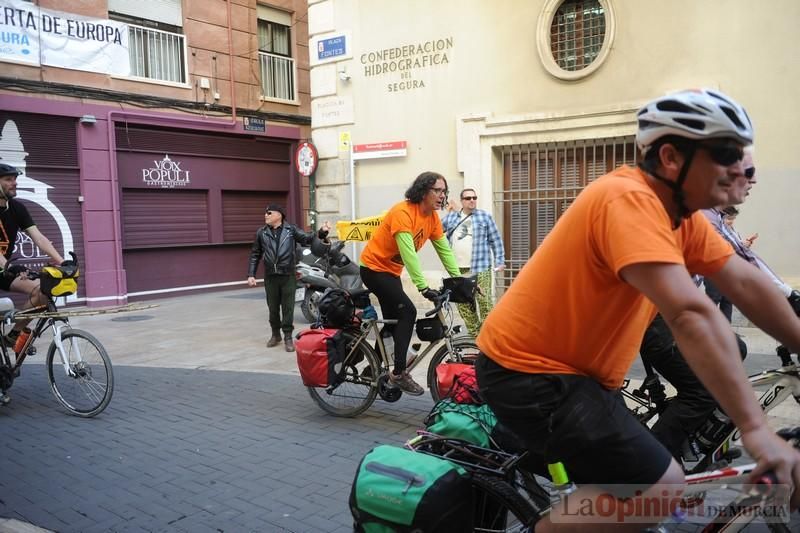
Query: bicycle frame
point(783, 382)
point(445, 314)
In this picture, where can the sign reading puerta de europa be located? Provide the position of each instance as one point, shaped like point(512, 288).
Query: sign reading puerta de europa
point(36, 36)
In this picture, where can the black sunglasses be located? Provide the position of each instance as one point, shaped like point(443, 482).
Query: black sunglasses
point(469, 197)
point(750, 172)
point(723, 154)
point(269, 212)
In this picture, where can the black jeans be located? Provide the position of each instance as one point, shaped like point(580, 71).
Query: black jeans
point(717, 297)
point(693, 404)
point(574, 420)
point(395, 305)
point(280, 291)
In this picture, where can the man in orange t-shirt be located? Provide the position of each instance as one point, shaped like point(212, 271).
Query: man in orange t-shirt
point(403, 231)
point(560, 341)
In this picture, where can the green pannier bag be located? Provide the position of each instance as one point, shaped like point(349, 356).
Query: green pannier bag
point(399, 490)
point(466, 421)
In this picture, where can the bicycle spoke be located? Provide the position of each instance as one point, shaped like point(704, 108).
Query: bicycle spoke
point(87, 388)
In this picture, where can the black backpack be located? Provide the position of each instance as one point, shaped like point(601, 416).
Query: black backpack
point(336, 308)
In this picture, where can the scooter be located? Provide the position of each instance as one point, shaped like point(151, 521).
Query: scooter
point(323, 268)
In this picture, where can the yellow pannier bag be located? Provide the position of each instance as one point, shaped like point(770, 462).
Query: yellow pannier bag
point(54, 282)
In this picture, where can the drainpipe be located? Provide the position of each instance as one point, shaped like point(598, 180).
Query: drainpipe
point(312, 199)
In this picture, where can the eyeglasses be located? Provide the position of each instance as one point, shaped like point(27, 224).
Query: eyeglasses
point(269, 212)
point(439, 190)
point(723, 154)
point(469, 197)
point(750, 172)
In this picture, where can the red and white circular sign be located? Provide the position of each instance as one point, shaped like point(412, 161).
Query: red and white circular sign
point(306, 158)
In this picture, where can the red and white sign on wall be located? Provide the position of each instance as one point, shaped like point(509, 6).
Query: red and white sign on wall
point(378, 150)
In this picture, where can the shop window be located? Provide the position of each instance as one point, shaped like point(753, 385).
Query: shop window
point(157, 46)
point(278, 70)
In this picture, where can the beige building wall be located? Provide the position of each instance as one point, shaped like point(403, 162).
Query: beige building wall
point(489, 87)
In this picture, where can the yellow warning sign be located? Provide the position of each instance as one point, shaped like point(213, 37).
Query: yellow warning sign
point(358, 230)
point(344, 141)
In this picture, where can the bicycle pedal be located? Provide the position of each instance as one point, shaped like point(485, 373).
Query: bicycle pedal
point(732, 454)
point(32, 350)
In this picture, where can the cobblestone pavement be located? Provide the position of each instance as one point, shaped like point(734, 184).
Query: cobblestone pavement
point(188, 450)
point(202, 433)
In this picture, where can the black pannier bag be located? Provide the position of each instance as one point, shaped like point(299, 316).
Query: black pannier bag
point(430, 329)
point(462, 289)
point(336, 308)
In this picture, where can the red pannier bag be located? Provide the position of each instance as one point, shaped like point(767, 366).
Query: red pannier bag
point(313, 349)
point(465, 387)
point(445, 375)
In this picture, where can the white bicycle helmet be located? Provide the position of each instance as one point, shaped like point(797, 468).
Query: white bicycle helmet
point(694, 114)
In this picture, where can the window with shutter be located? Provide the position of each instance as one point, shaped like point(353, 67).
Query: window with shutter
point(275, 54)
point(540, 183)
point(157, 46)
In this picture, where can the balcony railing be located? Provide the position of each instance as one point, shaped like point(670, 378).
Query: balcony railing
point(277, 76)
point(158, 55)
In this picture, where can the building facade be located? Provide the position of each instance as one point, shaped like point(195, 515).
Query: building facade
point(529, 100)
point(153, 133)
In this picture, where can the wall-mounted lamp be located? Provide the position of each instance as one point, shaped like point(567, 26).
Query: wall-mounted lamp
point(343, 75)
point(88, 119)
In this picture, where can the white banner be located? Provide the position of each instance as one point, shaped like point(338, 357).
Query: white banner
point(37, 36)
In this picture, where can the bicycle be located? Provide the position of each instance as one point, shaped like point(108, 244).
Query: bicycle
point(510, 498)
point(78, 367)
point(706, 449)
point(365, 370)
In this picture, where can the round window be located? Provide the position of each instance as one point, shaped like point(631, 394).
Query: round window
point(575, 36)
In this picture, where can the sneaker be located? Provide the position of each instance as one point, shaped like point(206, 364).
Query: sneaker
point(274, 341)
point(4, 398)
point(406, 383)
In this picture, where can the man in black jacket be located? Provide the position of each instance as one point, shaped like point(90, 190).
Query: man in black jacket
point(275, 243)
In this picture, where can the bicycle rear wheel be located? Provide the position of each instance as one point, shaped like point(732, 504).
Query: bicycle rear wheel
point(360, 386)
point(85, 387)
point(499, 507)
point(464, 351)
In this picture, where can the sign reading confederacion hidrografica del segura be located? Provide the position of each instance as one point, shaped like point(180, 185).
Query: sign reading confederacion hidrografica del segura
point(405, 60)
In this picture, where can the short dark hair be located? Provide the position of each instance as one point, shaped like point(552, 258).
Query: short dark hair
point(651, 159)
point(422, 185)
point(465, 190)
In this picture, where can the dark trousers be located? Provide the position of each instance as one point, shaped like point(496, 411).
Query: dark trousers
point(693, 403)
point(723, 303)
point(395, 305)
point(280, 291)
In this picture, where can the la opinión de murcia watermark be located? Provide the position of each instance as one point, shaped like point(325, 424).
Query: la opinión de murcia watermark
point(608, 507)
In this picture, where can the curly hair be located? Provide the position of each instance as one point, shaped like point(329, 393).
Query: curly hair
point(422, 185)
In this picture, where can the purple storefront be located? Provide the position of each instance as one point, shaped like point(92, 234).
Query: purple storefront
point(152, 203)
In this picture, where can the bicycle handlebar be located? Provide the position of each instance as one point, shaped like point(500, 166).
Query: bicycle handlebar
point(444, 297)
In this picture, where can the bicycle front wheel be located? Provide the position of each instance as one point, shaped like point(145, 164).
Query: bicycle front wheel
point(499, 507)
point(81, 377)
point(464, 351)
point(356, 393)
